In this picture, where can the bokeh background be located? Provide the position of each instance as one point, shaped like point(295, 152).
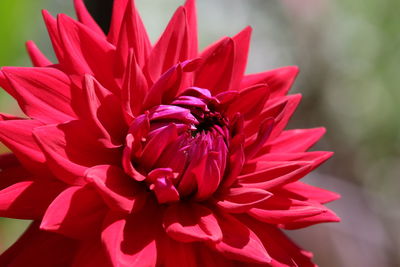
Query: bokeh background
point(349, 56)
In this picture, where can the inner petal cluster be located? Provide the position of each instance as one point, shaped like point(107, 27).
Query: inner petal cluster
point(179, 149)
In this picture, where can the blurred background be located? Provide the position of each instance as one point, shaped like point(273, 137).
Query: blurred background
point(349, 56)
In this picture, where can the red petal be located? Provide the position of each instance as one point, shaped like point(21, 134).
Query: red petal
point(190, 7)
point(117, 189)
point(280, 109)
point(86, 52)
point(132, 36)
point(302, 191)
point(190, 223)
point(328, 216)
point(11, 171)
point(173, 253)
point(85, 17)
point(77, 212)
point(40, 248)
point(68, 154)
point(118, 12)
point(17, 136)
point(42, 93)
point(242, 45)
point(241, 199)
point(28, 199)
point(91, 254)
point(274, 176)
point(298, 140)
point(54, 34)
point(134, 87)
point(101, 109)
point(218, 63)
point(279, 80)
point(239, 242)
point(281, 210)
point(283, 251)
point(37, 57)
point(131, 241)
point(172, 47)
point(250, 101)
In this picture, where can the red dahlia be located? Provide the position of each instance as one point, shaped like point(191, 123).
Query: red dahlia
point(133, 154)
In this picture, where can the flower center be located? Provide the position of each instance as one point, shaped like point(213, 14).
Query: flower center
point(180, 150)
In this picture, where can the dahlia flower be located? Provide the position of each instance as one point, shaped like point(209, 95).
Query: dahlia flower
point(140, 154)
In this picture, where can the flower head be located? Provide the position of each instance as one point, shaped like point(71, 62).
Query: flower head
point(140, 154)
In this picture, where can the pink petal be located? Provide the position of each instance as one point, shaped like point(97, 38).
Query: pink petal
point(37, 57)
point(157, 144)
point(58, 250)
point(85, 17)
point(280, 80)
point(42, 93)
point(241, 199)
point(190, 223)
point(28, 199)
point(77, 212)
point(239, 242)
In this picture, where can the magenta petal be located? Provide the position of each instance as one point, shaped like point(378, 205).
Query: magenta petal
point(76, 212)
point(190, 223)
